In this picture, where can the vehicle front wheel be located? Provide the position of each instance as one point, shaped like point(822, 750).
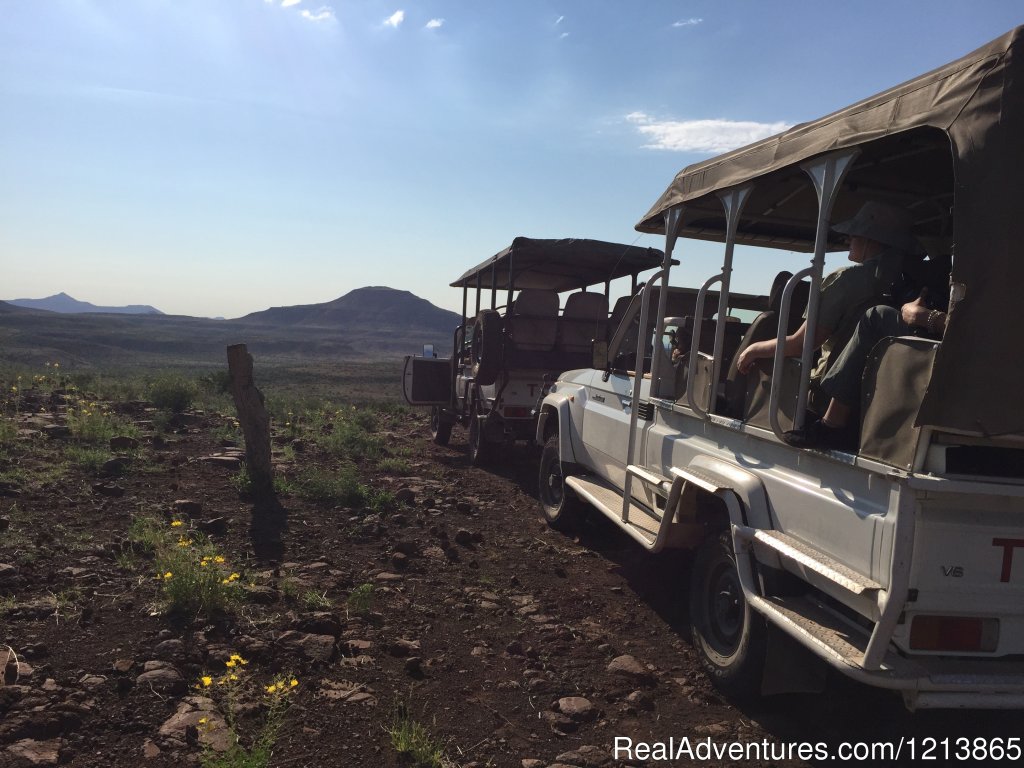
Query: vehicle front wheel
point(729, 636)
point(559, 505)
point(440, 429)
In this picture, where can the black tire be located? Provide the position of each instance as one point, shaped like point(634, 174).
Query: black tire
point(480, 451)
point(440, 428)
point(485, 347)
point(562, 510)
point(729, 636)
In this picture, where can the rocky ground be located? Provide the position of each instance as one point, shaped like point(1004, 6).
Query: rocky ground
point(446, 615)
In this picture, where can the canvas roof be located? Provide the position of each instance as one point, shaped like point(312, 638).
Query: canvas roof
point(561, 265)
point(949, 146)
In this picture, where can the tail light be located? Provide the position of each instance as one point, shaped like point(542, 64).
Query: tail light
point(954, 633)
point(516, 412)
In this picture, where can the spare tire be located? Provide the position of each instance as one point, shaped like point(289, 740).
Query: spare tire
point(485, 348)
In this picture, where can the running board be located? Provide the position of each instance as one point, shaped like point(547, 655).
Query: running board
point(647, 528)
point(795, 551)
point(836, 641)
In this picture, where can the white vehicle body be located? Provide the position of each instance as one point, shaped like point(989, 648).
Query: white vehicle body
point(899, 563)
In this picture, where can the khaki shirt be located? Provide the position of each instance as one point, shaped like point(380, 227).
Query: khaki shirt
point(846, 291)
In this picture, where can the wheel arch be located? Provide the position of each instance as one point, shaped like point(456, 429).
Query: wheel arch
point(555, 416)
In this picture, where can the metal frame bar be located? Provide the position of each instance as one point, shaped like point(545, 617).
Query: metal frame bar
point(733, 201)
point(827, 175)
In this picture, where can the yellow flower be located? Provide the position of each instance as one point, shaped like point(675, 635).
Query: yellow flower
point(177, 524)
point(183, 542)
point(293, 683)
point(202, 721)
point(203, 563)
point(271, 688)
point(234, 676)
point(234, 577)
point(230, 663)
point(207, 681)
point(218, 559)
point(239, 659)
point(168, 575)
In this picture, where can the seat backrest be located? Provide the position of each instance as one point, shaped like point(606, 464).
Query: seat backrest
point(895, 379)
point(533, 321)
point(584, 319)
point(764, 327)
point(618, 312)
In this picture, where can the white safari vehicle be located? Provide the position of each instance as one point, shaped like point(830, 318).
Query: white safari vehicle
point(503, 354)
point(901, 562)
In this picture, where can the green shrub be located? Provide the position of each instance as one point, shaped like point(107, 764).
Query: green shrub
point(360, 600)
point(413, 742)
point(173, 393)
point(341, 488)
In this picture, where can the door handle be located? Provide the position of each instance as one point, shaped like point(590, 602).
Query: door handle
point(627, 403)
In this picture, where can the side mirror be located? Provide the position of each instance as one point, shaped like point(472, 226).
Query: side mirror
point(428, 350)
point(599, 355)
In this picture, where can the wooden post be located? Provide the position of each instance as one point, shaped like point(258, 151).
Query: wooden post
point(253, 417)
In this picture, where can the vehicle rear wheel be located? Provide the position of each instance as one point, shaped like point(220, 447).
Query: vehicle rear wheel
point(729, 636)
point(559, 505)
point(480, 450)
point(440, 428)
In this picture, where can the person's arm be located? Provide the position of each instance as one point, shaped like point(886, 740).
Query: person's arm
point(794, 346)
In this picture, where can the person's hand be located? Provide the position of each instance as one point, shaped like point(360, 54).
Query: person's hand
point(746, 360)
point(915, 312)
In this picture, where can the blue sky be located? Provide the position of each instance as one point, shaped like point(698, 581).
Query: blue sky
point(217, 157)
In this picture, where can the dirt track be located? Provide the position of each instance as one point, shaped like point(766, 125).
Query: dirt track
point(503, 618)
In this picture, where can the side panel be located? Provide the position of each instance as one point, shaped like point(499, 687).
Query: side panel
point(427, 381)
point(842, 509)
point(606, 425)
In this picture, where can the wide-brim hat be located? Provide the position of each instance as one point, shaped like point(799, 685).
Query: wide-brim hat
point(884, 223)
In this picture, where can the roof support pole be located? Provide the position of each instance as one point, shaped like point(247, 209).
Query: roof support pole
point(494, 283)
point(732, 201)
point(673, 217)
point(477, 295)
point(827, 174)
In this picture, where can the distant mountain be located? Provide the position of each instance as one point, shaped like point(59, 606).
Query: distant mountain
point(65, 304)
point(365, 310)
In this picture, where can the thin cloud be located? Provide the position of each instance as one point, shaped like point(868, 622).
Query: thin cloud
point(687, 22)
point(395, 19)
point(711, 136)
point(289, 3)
point(559, 20)
point(563, 36)
point(323, 13)
point(435, 24)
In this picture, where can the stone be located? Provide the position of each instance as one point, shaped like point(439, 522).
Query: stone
point(115, 466)
point(577, 708)
point(37, 752)
point(640, 700)
point(627, 666)
point(10, 576)
point(585, 757)
point(187, 507)
point(123, 443)
point(150, 751)
point(407, 547)
point(215, 526)
point(532, 763)
point(56, 431)
point(259, 594)
point(313, 647)
point(228, 462)
point(414, 666)
point(122, 666)
point(400, 561)
point(463, 537)
point(92, 681)
point(351, 693)
point(170, 650)
point(405, 496)
point(108, 489)
point(212, 733)
point(5, 522)
point(386, 577)
point(357, 647)
point(558, 722)
point(162, 680)
point(319, 623)
point(402, 648)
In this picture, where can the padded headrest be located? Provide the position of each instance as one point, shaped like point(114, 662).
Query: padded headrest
point(775, 294)
point(536, 302)
point(586, 306)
